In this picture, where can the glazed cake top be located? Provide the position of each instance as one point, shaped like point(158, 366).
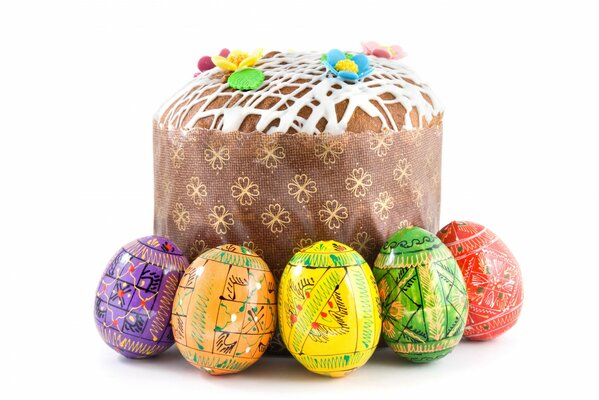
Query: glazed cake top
point(299, 94)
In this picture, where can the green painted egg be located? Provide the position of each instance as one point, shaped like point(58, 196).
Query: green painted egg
point(423, 295)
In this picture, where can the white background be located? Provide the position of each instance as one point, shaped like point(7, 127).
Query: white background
point(80, 81)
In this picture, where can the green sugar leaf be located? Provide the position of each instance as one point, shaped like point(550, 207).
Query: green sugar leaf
point(246, 79)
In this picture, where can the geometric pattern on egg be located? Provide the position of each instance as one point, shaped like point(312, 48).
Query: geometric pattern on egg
point(329, 309)
point(423, 295)
point(135, 296)
point(224, 313)
point(492, 275)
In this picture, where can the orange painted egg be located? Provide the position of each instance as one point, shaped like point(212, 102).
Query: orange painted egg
point(492, 276)
point(224, 313)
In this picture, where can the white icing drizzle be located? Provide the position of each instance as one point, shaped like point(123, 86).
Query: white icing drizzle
point(284, 71)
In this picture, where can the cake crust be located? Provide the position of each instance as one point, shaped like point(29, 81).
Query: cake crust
point(300, 95)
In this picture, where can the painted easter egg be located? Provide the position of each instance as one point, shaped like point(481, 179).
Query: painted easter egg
point(329, 309)
point(224, 313)
point(492, 275)
point(135, 297)
point(422, 293)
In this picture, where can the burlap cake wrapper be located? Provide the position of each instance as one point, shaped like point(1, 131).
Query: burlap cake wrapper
point(277, 193)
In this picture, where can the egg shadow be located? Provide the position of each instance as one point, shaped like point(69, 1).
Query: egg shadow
point(170, 359)
point(269, 368)
point(386, 358)
point(282, 368)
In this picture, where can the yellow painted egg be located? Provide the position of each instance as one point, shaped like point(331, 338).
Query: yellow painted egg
point(329, 309)
point(224, 313)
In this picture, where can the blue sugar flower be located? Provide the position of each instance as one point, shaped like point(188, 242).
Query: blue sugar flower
point(346, 66)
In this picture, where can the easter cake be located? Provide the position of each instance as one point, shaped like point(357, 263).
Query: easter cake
point(277, 151)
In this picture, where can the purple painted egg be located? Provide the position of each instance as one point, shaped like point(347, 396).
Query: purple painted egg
point(135, 297)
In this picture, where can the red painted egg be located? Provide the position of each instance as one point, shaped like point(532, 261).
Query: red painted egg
point(492, 276)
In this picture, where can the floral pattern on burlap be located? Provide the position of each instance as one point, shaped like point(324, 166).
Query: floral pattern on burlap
point(279, 193)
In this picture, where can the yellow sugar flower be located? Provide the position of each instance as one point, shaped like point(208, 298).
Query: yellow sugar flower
point(237, 59)
point(347, 65)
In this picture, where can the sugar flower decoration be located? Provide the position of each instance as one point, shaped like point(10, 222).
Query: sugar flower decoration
point(394, 52)
point(237, 59)
point(346, 66)
point(205, 63)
